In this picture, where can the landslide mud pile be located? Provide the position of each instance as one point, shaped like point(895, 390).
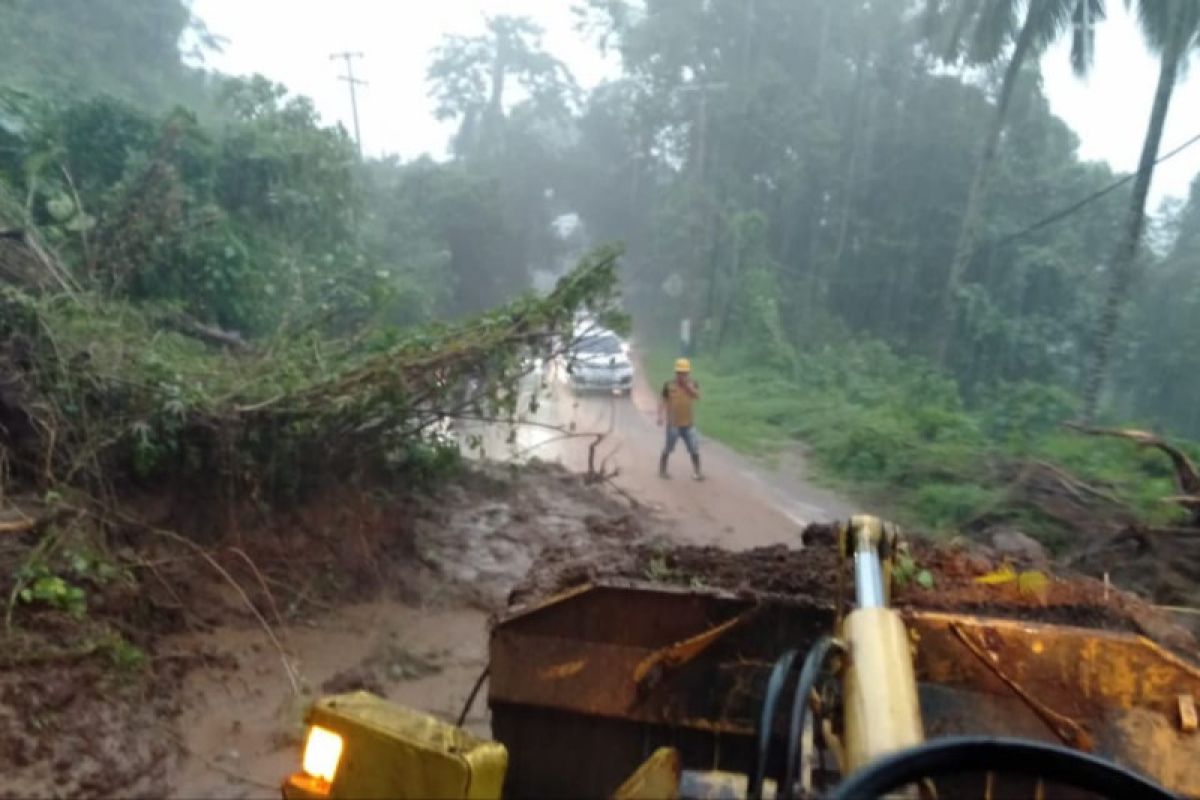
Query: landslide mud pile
point(953, 583)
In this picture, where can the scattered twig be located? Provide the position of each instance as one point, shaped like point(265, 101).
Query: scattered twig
point(18, 526)
point(211, 334)
point(88, 256)
point(240, 553)
point(1074, 485)
point(466, 709)
point(37, 524)
point(288, 669)
point(610, 481)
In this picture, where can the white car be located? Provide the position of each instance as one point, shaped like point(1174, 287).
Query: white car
point(599, 361)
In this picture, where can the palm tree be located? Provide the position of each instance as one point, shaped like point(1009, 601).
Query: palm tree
point(1172, 29)
point(992, 25)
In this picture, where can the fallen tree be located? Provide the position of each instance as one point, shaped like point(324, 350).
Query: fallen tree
point(98, 396)
point(1186, 476)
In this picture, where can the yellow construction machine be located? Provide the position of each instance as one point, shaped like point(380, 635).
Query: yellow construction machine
point(629, 690)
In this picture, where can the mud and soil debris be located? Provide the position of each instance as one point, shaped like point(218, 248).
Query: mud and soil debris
point(1163, 566)
point(74, 724)
point(390, 662)
point(812, 573)
point(81, 730)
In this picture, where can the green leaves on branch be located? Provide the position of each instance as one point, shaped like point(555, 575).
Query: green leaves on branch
point(277, 423)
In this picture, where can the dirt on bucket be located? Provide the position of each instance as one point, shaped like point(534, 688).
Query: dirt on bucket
point(961, 577)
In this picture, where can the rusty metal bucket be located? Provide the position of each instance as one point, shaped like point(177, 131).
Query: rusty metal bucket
point(585, 686)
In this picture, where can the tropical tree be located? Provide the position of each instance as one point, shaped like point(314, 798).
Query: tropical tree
point(1161, 324)
point(127, 48)
point(470, 76)
point(1172, 29)
point(987, 28)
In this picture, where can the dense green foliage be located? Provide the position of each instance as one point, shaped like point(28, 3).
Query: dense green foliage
point(807, 169)
point(857, 148)
point(1160, 371)
point(128, 48)
point(147, 405)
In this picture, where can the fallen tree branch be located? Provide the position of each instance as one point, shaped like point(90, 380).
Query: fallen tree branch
point(210, 334)
point(18, 526)
point(1185, 471)
point(27, 524)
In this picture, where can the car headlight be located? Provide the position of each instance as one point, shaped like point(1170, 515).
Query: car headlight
point(322, 752)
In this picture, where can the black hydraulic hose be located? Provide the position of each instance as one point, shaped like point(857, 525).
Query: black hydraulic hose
point(483, 676)
point(775, 684)
point(814, 662)
point(966, 754)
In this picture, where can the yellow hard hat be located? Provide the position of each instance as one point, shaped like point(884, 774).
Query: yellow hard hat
point(683, 365)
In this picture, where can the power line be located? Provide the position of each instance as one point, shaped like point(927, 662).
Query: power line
point(1071, 209)
point(354, 82)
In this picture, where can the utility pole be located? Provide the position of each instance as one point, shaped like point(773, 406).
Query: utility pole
point(701, 140)
point(349, 78)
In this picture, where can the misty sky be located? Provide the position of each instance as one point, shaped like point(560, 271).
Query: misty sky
point(290, 41)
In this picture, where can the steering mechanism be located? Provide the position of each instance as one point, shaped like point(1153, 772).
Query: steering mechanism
point(966, 754)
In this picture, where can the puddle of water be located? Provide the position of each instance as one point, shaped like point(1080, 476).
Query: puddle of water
point(247, 722)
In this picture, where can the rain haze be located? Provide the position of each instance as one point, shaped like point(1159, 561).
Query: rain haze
point(289, 42)
point(532, 410)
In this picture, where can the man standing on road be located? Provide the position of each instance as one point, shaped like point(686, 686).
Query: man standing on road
point(675, 408)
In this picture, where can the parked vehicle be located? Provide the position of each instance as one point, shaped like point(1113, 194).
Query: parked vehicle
point(599, 361)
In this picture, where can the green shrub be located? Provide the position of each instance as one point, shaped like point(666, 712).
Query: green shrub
point(950, 506)
point(899, 430)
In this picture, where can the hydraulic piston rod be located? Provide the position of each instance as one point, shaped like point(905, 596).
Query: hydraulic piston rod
point(882, 712)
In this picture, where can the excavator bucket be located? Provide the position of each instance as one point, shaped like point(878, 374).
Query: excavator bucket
point(588, 686)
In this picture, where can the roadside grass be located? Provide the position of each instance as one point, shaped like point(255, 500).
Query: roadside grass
point(895, 434)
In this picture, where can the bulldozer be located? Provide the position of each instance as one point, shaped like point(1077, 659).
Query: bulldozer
point(627, 689)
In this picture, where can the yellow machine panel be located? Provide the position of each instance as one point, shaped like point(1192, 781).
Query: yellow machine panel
point(362, 747)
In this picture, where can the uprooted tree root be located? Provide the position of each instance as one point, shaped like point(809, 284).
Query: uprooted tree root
point(1187, 478)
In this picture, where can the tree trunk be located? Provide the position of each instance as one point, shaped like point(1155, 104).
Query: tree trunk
point(969, 228)
point(492, 118)
point(735, 261)
point(862, 122)
point(1127, 248)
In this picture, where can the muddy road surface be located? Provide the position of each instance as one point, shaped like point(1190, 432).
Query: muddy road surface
point(241, 725)
point(743, 503)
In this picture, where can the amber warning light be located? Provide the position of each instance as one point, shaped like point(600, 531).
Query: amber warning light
point(322, 753)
